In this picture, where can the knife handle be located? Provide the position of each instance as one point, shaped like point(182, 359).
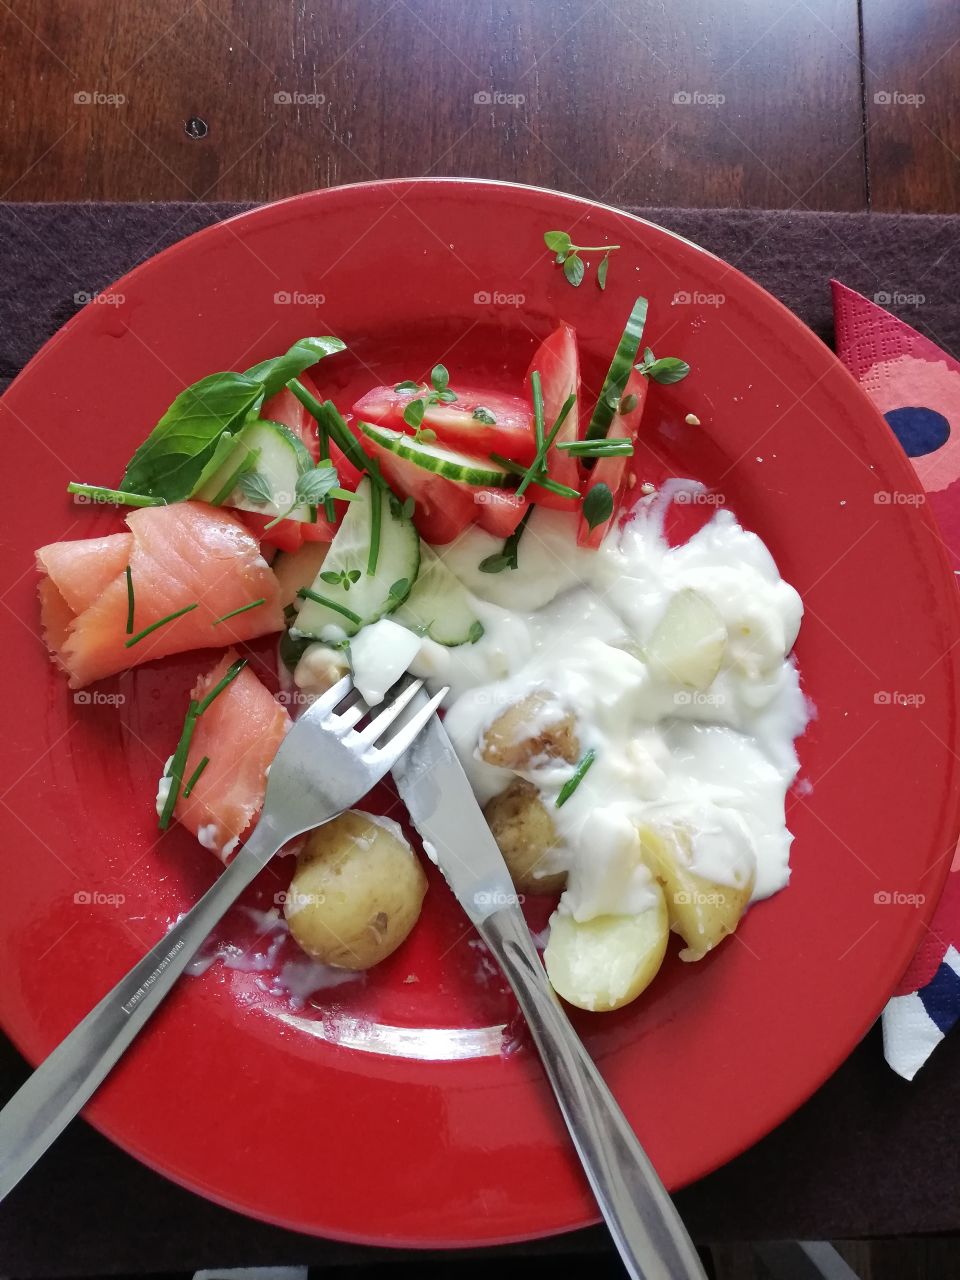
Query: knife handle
point(648, 1232)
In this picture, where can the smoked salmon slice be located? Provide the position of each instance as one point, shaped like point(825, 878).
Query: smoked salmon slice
point(238, 734)
point(185, 554)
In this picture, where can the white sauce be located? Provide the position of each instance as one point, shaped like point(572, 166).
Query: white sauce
point(576, 623)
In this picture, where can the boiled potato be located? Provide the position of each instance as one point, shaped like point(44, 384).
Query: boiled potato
point(606, 962)
point(296, 569)
point(319, 668)
point(688, 642)
point(702, 911)
point(535, 726)
point(356, 892)
point(524, 830)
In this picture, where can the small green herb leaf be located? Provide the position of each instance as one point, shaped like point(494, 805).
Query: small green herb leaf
point(598, 505)
point(602, 271)
point(484, 415)
point(440, 378)
point(314, 485)
point(407, 386)
point(446, 396)
point(573, 269)
point(400, 590)
point(628, 404)
point(256, 487)
point(495, 563)
point(557, 241)
point(475, 632)
point(413, 413)
point(667, 370)
point(408, 508)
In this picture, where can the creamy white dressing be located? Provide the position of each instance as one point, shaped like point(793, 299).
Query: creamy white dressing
point(716, 762)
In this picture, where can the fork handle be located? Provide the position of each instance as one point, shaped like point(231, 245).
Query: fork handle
point(646, 1228)
point(42, 1107)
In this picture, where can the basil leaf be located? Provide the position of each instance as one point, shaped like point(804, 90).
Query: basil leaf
point(598, 505)
point(255, 486)
point(174, 455)
point(558, 241)
point(573, 269)
point(276, 373)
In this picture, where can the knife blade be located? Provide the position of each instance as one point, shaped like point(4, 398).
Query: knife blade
point(433, 785)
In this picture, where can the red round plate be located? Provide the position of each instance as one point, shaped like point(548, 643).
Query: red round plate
point(386, 1111)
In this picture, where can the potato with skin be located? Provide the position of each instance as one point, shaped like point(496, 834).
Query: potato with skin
point(702, 911)
point(525, 833)
point(534, 727)
point(356, 893)
point(606, 962)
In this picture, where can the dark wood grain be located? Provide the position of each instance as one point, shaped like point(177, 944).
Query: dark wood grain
point(390, 87)
point(911, 75)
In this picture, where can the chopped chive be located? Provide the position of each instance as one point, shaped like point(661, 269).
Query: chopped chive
point(537, 408)
point(609, 447)
point(177, 765)
point(539, 464)
point(254, 604)
point(544, 482)
point(330, 421)
point(194, 777)
point(230, 674)
point(376, 521)
point(306, 594)
point(161, 623)
point(570, 786)
point(97, 493)
point(506, 558)
point(323, 435)
point(129, 600)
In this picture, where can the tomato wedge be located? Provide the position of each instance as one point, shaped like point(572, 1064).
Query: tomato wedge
point(613, 471)
point(558, 364)
point(442, 508)
point(510, 434)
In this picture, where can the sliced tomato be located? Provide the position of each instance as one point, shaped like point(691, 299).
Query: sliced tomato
point(442, 508)
point(558, 364)
point(499, 511)
point(511, 434)
point(613, 471)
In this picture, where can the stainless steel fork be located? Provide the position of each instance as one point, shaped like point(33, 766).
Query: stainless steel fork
point(324, 765)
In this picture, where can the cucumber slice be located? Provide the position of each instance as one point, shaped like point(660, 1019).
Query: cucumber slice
point(619, 372)
point(278, 456)
point(370, 596)
point(439, 605)
point(440, 459)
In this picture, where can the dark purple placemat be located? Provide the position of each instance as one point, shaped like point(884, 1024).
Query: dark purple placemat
point(869, 1155)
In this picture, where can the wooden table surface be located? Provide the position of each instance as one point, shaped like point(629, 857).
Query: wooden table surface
point(807, 104)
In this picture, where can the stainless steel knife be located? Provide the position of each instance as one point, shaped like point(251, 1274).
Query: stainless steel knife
point(645, 1226)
